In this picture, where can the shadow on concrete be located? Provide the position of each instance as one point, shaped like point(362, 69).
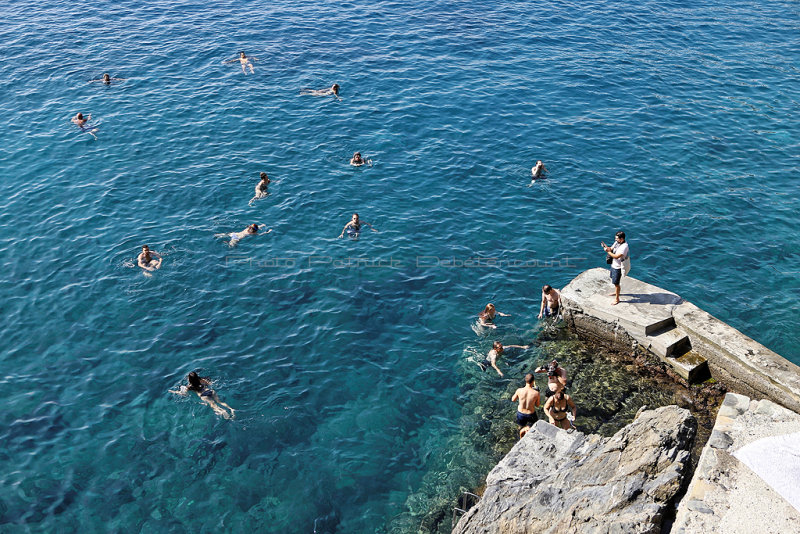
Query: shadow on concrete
point(651, 298)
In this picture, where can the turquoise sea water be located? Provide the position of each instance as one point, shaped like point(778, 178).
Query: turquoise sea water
point(346, 360)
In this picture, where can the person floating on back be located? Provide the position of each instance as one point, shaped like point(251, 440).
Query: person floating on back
point(202, 386)
point(486, 317)
point(237, 236)
point(333, 90)
point(245, 61)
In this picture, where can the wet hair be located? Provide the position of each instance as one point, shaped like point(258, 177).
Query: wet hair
point(106, 76)
point(263, 175)
point(546, 288)
point(79, 116)
point(497, 346)
point(195, 382)
point(242, 54)
point(145, 247)
point(335, 87)
point(355, 215)
point(529, 379)
point(485, 313)
point(357, 155)
point(620, 235)
point(254, 226)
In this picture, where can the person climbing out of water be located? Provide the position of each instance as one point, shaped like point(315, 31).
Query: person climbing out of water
point(237, 236)
point(496, 352)
point(146, 260)
point(486, 317)
point(556, 410)
point(83, 124)
point(617, 256)
point(333, 90)
point(358, 161)
point(107, 79)
point(245, 61)
point(551, 302)
point(261, 188)
point(556, 377)
point(538, 170)
point(353, 228)
point(202, 386)
point(528, 397)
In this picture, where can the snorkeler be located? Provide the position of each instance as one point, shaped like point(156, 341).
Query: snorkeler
point(209, 396)
point(237, 236)
point(334, 90)
point(107, 79)
point(245, 61)
point(353, 228)
point(83, 124)
point(486, 317)
point(146, 260)
point(358, 161)
point(261, 188)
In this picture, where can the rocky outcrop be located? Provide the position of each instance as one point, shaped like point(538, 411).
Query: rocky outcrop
point(555, 481)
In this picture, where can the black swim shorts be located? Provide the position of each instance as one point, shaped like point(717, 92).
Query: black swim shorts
point(526, 419)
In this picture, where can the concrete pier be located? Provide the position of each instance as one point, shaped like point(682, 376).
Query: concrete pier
point(681, 334)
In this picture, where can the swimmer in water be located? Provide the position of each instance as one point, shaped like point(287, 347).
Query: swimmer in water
point(147, 261)
point(334, 90)
point(497, 350)
point(107, 79)
point(237, 236)
point(486, 317)
point(245, 61)
point(202, 386)
point(353, 228)
point(358, 161)
point(261, 188)
point(83, 124)
point(538, 170)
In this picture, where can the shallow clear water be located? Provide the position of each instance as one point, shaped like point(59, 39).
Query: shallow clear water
point(346, 359)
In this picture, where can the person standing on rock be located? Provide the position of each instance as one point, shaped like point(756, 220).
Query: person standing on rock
point(556, 410)
point(528, 397)
point(618, 253)
point(551, 302)
point(556, 377)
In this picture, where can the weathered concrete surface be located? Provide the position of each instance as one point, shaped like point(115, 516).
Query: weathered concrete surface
point(646, 311)
point(553, 481)
point(724, 494)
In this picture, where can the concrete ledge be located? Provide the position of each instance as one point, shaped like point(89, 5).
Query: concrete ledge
point(647, 312)
point(724, 494)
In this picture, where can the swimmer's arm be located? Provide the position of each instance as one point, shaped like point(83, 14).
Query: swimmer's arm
point(541, 307)
point(264, 233)
point(517, 346)
point(142, 264)
point(484, 323)
point(501, 314)
point(370, 226)
point(494, 364)
point(183, 391)
point(346, 226)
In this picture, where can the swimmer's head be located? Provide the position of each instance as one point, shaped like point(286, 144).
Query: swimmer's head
point(264, 176)
point(106, 77)
point(357, 156)
point(79, 116)
point(335, 88)
point(242, 55)
point(498, 347)
point(145, 248)
point(253, 228)
point(546, 289)
point(355, 216)
point(194, 379)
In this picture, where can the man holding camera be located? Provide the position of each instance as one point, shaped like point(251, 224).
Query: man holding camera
point(556, 377)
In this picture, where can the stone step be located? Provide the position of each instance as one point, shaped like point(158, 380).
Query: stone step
point(668, 341)
point(663, 324)
point(690, 366)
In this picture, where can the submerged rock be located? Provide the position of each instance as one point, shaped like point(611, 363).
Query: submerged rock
point(555, 481)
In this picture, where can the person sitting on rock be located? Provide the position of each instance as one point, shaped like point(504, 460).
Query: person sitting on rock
point(556, 377)
point(556, 410)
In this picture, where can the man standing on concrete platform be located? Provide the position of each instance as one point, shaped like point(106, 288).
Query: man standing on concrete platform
point(617, 253)
point(528, 398)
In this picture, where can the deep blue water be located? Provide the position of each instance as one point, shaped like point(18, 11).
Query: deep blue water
point(677, 123)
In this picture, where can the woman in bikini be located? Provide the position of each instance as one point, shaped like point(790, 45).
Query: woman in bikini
point(556, 410)
point(486, 317)
point(202, 386)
